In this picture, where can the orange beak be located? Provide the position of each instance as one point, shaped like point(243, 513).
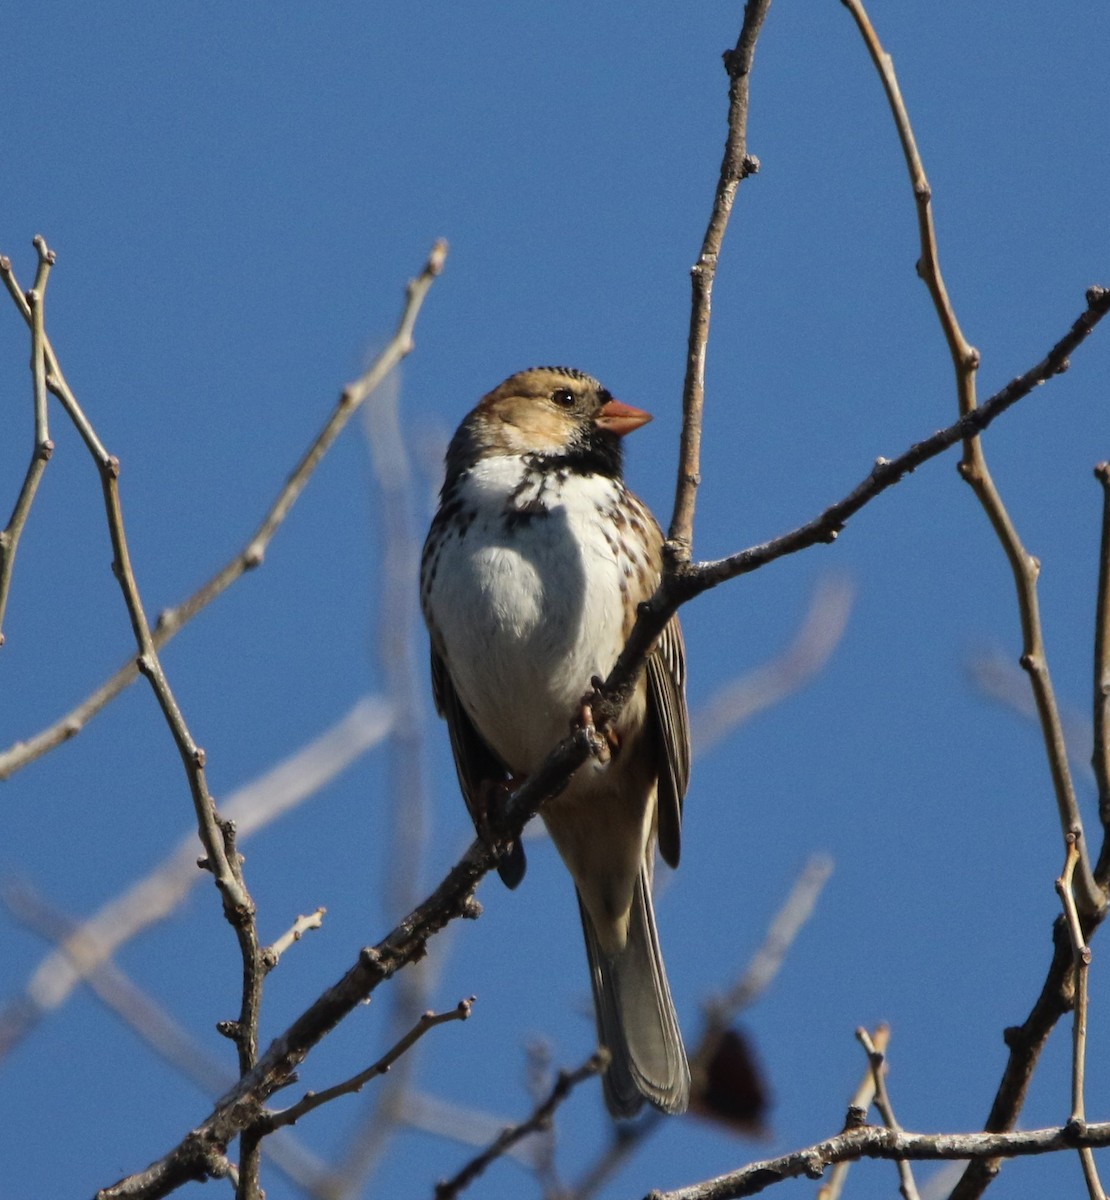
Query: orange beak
point(619, 418)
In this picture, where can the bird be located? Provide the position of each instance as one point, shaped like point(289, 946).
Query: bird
point(532, 574)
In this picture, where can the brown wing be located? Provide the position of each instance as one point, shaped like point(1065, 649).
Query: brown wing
point(475, 764)
point(666, 679)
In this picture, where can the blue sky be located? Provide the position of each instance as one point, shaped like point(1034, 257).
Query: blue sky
point(237, 195)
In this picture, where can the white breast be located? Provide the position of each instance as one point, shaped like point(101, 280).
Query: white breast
point(528, 603)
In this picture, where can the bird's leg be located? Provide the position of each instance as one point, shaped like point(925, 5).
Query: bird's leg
point(604, 745)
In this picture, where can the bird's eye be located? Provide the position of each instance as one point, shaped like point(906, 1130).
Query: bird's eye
point(563, 397)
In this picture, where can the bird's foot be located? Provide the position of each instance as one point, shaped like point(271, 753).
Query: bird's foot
point(604, 745)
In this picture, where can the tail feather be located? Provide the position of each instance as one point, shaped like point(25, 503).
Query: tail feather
point(636, 1019)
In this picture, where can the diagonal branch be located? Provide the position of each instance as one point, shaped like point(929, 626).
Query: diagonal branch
point(172, 620)
point(313, 1100)
point(686, 582)
point(540, 1118)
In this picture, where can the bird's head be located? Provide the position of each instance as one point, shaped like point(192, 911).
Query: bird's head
point(555, 413)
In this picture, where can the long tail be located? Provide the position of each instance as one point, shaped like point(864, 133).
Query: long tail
point(636, 1020)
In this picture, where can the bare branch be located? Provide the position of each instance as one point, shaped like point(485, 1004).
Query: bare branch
point(876, 1141)
point(172, 620)
point(1081, 974)
point(973, 468)
point(216, 837)
point(857, 1115)
point(1026, 1043)
point(314, 1100)
point(1025, 569)
point(43, 447)
point(273, 952)
point(539, 1119)
point(1100, 755)
point(735, 166)
point(686, 582)
point(876, 1059)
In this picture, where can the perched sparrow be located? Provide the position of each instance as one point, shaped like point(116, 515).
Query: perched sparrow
point(532, 572)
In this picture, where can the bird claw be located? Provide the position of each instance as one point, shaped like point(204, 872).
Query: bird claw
point(602, 745)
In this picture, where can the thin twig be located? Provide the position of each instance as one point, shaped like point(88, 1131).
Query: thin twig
point(273, 952)
point(540, 1118)
point(43, 447)
point(1080, 974)
point(172, 620)
point(215, 835)
point(1100, 755)
point(860, 1102)
point(1065, 886)
point(876, 1059)
point(313, 1100)
point(973, 468)
point(735, 166)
